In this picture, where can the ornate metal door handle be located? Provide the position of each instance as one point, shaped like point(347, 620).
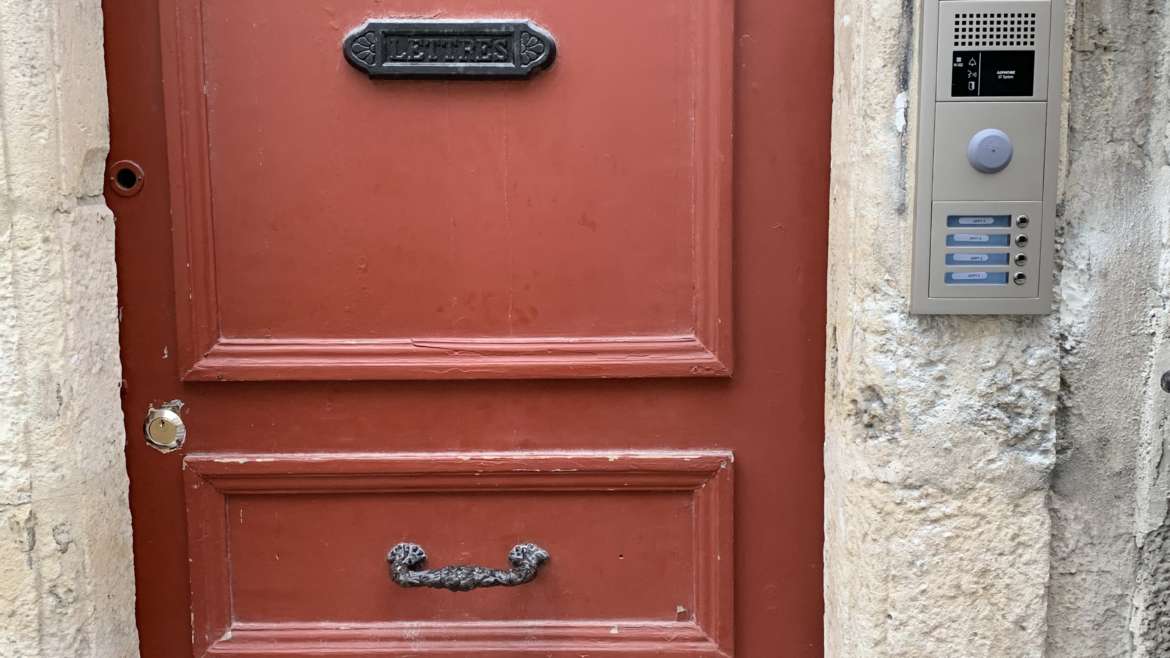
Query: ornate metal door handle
point(403, 558)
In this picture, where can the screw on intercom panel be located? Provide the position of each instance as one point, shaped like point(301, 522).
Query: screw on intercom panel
point(1166, 382)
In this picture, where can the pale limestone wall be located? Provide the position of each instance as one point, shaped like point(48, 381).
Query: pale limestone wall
point(1110, 590)
point(940, 432)
point(66, 577)
point(999, 487)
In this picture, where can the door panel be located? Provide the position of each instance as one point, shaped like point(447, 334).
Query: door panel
point(470, 314)
point(448, 229)
point(644, 538)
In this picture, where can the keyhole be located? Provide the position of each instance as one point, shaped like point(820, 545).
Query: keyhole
point(126, 177)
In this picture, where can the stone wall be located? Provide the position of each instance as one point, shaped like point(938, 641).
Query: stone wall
point(66, 577)
point(999, 486)
point(1110, 589)
point(952, 441)
point(940, 431)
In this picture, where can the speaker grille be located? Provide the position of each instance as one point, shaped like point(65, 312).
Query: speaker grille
point(991, 29)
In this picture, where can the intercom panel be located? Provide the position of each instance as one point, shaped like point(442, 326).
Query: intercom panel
point(995, 50)
point(986, 246)
point(958, 124)
point(989, 114)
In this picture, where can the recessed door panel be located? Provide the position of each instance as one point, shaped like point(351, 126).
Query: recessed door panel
point(575, 223)
point(291, 545)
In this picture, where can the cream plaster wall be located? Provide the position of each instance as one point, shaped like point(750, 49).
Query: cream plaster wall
point(66, 577)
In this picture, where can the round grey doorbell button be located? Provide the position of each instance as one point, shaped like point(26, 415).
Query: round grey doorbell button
point(990, 151)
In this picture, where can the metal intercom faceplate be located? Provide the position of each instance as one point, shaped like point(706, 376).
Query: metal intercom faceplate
point(989, 120)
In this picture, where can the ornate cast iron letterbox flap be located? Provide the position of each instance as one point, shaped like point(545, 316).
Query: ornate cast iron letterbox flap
point(449, 49)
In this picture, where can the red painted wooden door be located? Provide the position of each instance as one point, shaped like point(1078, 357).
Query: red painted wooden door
point(577, 310)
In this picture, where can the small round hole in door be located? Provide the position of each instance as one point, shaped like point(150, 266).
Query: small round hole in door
point(126, 177)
